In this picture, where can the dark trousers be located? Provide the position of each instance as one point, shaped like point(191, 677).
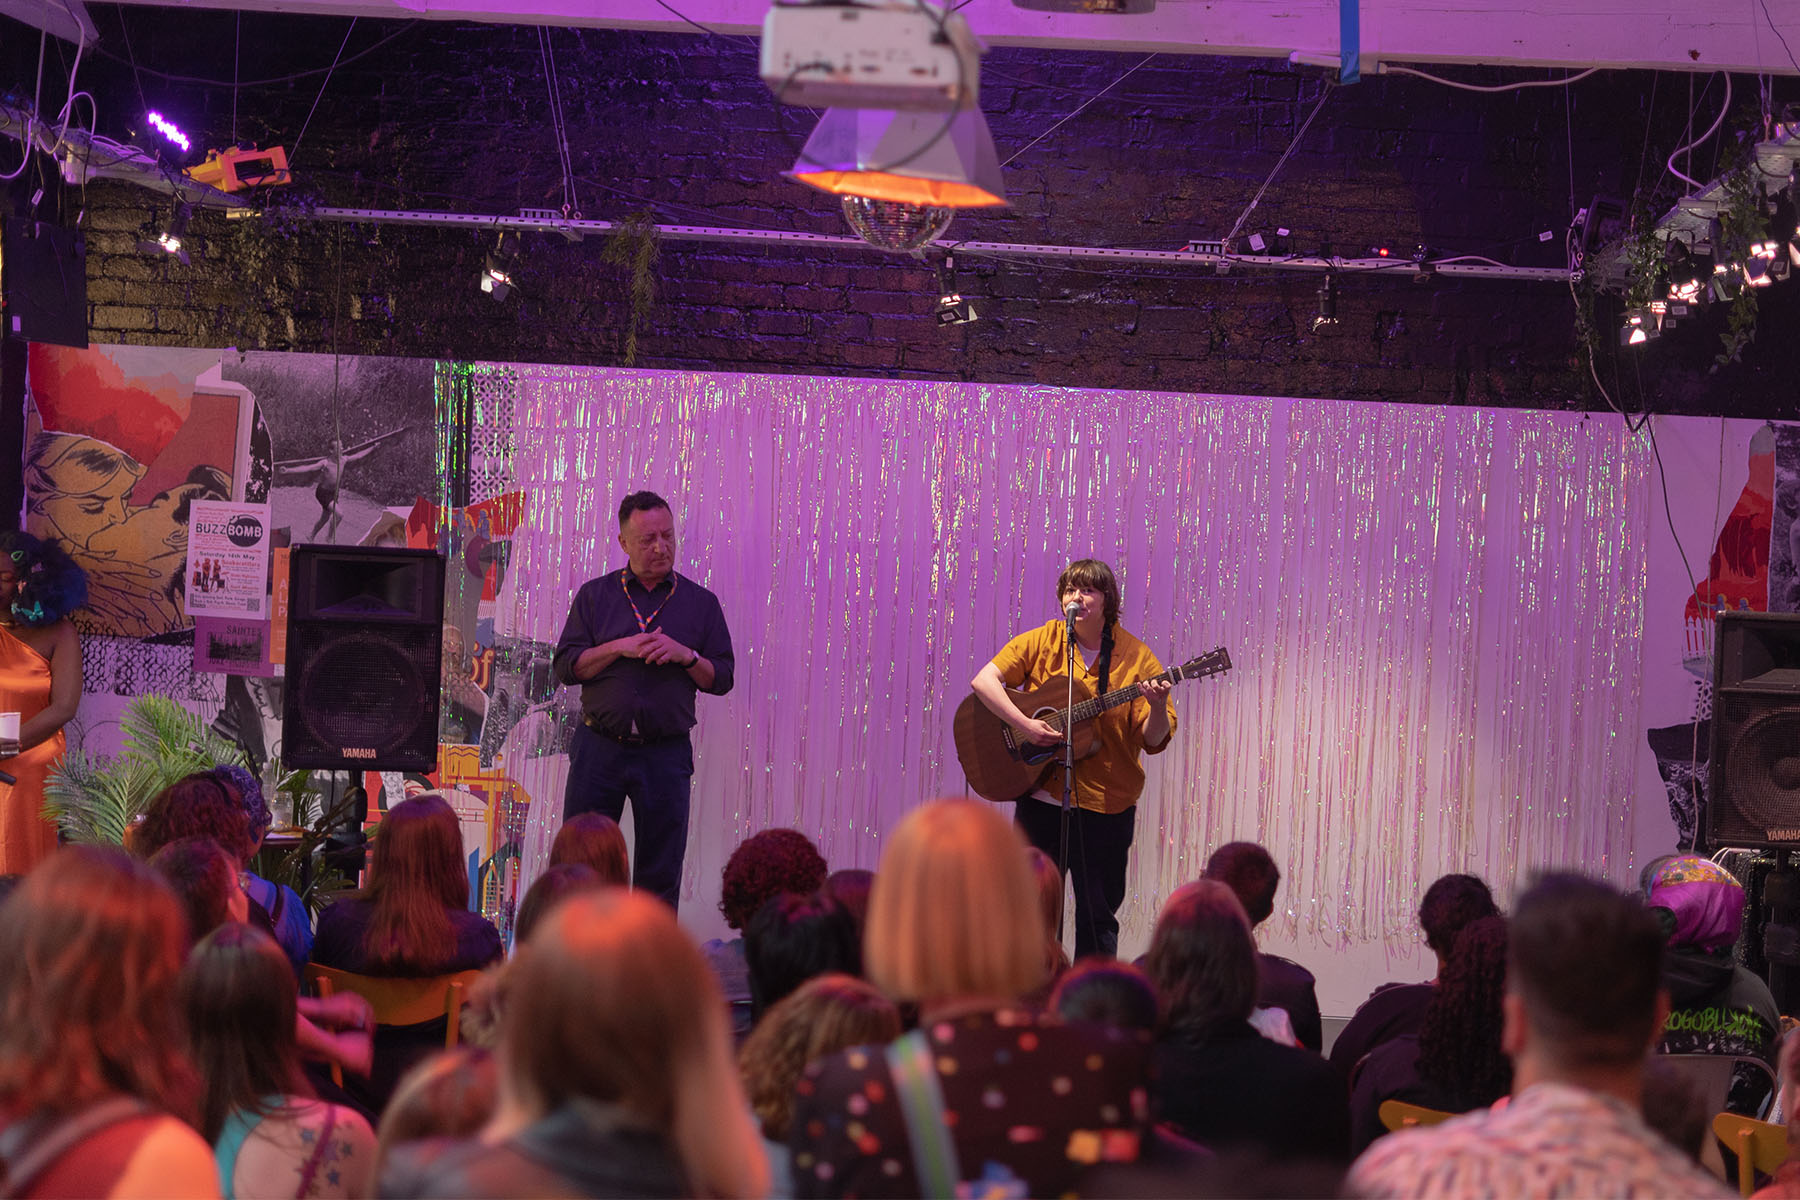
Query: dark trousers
point(657, 778)
point(1099, 850)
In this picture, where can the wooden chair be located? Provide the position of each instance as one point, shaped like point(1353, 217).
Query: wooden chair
point(1712, 1075)
point(398, 1001)
point(1759, 1146)
point(1398, 1114)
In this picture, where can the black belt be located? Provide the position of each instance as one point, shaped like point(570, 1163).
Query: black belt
point(628, 739)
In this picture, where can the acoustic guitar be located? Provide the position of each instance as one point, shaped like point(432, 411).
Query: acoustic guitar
point(1000, 765)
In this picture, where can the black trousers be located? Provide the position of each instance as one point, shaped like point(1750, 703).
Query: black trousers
point(657, 779)
point(1099, 851)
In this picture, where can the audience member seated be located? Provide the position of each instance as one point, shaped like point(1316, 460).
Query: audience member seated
point(955, 927)
point(1454, 1063)
point(594, 840)
point(206, 881)
point(793, 938)
point(1584, 1005)
point(451, 1094)
point(412, 920)
point(292, 923)
point(1050, 895)
point(1450, 904)
point(850, 888)
point(616, 1076)
point(824, 1015)
point(1786, 1184)
point(1104, 991)
point(772, 863)
point(96, 1098)
point(1716, 1004)
point(1675, 1105)
point(1219, 1081)
point(271, 1136)
point(1248, 870)
point(552, 888)
point(200, 805)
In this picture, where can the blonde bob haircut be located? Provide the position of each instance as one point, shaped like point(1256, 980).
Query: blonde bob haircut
point(954, 911)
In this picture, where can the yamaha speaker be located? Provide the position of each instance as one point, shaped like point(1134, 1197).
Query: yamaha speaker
point(1753, 786)
point(364, 643)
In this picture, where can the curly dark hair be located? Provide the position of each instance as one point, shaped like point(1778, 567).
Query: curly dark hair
point(1450, 904)
point(199, 805)
point(51, 584)
point(766, 865)
point(1459, 1042)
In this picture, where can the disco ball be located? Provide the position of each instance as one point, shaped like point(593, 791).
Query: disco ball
point(894, 226)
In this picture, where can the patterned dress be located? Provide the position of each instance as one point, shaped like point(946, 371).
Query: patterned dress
point(1031, 1104)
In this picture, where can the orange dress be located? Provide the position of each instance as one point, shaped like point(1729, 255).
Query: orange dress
point(25, 837)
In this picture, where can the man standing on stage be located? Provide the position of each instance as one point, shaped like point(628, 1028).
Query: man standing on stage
point(641, 641)
point(1109, 781)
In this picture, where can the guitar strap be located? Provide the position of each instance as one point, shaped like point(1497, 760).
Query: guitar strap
point(1106, 649)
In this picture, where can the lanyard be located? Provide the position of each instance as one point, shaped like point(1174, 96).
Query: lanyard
point(642, 620)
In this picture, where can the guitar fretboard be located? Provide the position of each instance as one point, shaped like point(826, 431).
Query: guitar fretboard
point(1089, 709)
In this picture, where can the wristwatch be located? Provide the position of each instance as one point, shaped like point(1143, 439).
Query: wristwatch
point(689, 665)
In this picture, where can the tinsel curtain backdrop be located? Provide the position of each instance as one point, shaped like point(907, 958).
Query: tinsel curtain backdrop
point(1434, 613)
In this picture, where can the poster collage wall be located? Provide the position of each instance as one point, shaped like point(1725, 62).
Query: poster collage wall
point(130, 450)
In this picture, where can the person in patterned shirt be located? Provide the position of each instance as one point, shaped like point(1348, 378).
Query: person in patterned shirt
point(1584, 1004)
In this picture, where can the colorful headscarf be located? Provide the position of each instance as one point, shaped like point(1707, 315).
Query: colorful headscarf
point(1706, 900)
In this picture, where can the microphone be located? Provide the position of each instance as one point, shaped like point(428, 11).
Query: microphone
point(1071, 609)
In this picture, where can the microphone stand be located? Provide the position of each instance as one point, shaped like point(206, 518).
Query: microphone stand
point(1068, 796)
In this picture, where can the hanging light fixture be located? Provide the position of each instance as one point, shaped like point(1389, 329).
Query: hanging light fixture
point(902, 174)
point(497, 270)
point(924, 158)
point(169, 239)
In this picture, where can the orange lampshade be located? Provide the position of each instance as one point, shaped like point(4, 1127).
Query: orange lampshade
point(943, 160)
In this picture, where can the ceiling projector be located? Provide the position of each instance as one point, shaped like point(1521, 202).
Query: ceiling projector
point(899, 56)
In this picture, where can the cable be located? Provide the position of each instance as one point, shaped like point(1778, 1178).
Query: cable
point(1777, 31)
point(729, 37)
point(989, 72)
point(1712, 129)
point(25, 126)
point(237, 66)
point(295, 152)
point(558, 123)
point(1389, 69)
point(168, 77)
point(1079, 109)
point(1649, 119)
point(1279, 163)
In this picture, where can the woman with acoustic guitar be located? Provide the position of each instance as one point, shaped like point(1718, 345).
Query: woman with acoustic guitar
point(1109, 773)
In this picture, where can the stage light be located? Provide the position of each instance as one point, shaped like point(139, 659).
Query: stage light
point(952, 309)
point(1688, 273)
point(169, 240)
point(170, 132)
point(926, 159)
point(1766, 263)
point(1641, 324)
point(1327, 303)
point(1727, 280)
point(497, 272)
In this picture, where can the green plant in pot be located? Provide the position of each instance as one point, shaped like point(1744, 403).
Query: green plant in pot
point(94, 798)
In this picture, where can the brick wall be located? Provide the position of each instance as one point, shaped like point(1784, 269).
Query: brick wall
point(457, 117)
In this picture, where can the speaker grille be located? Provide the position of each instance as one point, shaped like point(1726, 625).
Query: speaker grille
point(363, 688)
point(1756, 769)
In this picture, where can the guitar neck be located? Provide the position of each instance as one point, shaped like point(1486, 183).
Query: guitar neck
point(1089, 709)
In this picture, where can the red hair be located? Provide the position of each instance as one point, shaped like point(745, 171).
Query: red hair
point(416, 877)
point(91, 945)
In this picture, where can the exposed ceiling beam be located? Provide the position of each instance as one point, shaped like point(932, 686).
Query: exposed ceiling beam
point(1676, 35)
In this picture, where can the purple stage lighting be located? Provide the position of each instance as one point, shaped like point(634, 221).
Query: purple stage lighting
point(169, 130)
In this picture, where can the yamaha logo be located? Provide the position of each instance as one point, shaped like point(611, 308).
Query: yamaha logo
point(357, 752)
